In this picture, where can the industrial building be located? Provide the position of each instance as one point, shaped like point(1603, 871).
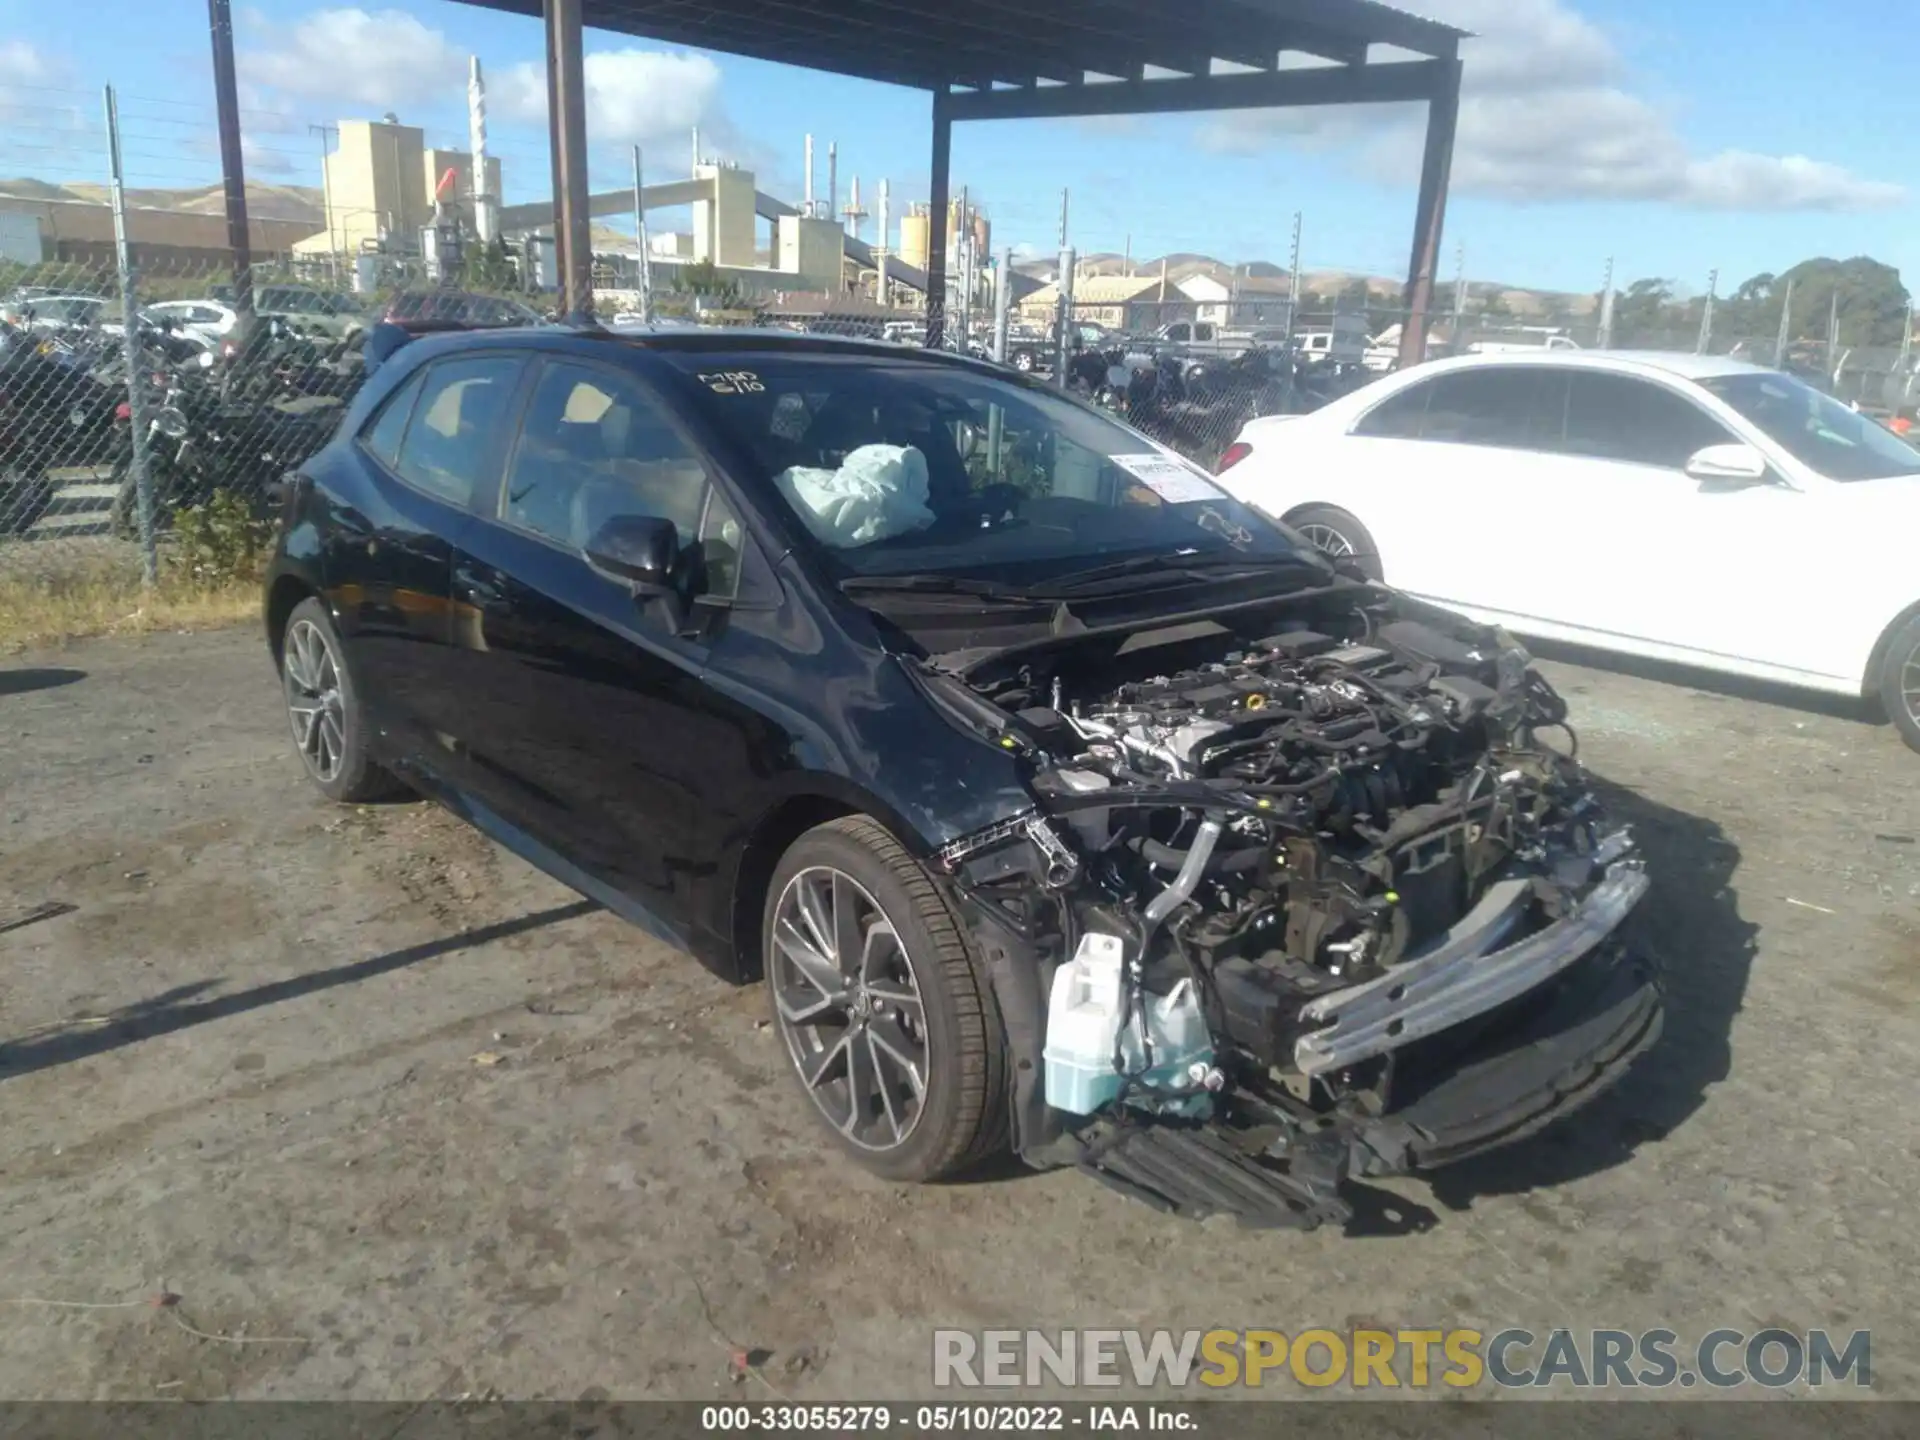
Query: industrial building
point(379, 183)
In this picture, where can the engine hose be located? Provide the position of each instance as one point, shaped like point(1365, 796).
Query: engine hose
point(1166, 857)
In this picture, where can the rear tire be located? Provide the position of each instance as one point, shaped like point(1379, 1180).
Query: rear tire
point(330, 726)
point(1900, 682)
point(1339, 536)
point(885, 1012)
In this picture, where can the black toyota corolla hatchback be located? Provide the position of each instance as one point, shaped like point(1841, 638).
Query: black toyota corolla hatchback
point(1061, 801)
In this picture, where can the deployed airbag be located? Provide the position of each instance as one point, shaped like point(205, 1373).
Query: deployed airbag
point(878, 492)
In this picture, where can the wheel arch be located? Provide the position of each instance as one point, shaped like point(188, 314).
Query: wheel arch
point(782, 823)
point(1877, 657)
point(286, 592)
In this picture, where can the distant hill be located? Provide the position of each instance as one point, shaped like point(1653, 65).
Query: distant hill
point(1385, 290)
point(301, 203)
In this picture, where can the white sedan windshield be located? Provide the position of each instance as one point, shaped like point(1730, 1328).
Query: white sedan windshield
point(1839, 443)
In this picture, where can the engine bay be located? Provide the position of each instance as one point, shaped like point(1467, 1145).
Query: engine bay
point(1272, 822)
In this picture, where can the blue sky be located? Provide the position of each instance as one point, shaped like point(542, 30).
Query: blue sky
point(1676, 138)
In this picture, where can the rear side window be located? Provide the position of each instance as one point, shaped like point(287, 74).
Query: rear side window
point(453, 444)
point(1519, 408)
point(382, 435)
point(1616, 417)
point(1398, 417)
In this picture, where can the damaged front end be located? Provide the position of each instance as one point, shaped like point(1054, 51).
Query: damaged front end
point(1295, 906)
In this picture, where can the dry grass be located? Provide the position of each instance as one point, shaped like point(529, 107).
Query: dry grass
point(52, 592)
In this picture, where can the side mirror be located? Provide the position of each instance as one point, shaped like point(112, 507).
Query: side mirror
point(1728, 467)
point(643, 550)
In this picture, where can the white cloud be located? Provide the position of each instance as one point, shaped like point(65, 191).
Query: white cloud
point(21, 64)
point(1547, 112)
point(381, 59)
point(632, 95)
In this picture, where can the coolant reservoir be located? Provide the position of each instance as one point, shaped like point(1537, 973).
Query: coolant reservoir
point(1182, 1049)
point(1083, 1017)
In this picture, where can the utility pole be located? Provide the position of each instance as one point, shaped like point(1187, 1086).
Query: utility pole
point(806, 207)
point(1459, 296)
point(1606, 308)
point(1706, 315)
point(833, 176)
point(1786, 330)
point(1063, 218)
point(326, 201)
point(1129, 256)
point(644, 258)
point(1833, 334)
point(1293, 277)
point(233, 170)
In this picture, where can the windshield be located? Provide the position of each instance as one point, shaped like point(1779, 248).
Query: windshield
point(901, 467)
point(1816, 429)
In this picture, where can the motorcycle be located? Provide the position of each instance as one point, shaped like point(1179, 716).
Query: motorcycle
point(57, 404)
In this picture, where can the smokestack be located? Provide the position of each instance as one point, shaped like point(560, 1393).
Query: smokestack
point(477, 142)
point(833, 176)
point(880, 248)
point(807, 194)
point(854, 213)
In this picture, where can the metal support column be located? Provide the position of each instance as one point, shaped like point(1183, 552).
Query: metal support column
point(1443, 118)
point(567, 136)
point(233, 170)
point(1002, 302)
point(937, 203)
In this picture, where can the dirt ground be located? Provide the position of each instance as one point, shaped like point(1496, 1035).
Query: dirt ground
point(410, 1120)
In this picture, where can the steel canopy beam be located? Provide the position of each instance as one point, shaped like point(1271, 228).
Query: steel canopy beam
point(1430, 213)
point(1398, 82)
point(567, 138)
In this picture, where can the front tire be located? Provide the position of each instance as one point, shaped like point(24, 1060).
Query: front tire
point(1900, 682)
point(885, 1012)
point(330, 727)
point(1340, 537)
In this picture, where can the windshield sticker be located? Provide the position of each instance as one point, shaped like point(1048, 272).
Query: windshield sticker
point(1174, 481)
point(732, 382)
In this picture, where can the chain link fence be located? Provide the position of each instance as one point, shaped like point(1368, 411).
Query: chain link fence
point(190, 412)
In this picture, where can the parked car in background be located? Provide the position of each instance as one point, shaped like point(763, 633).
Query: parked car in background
point(1523, 342)
point(462, 306)
point(1665, 506)
point(52, 313)
point(319, 314)
point(207, 318)
point(956, 711)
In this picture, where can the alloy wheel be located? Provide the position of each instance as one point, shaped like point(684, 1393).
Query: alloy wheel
point(314, 702)
point(849, 1008)
point(1327, 540)
point(1910, 684)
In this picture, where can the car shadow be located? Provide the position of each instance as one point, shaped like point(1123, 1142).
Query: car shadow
point(1690, 923)
point(1711, 684)
point(176, 1009)
point(30, 678)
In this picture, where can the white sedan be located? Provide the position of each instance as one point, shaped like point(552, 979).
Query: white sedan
point(1678, 507)
point(208, 319)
